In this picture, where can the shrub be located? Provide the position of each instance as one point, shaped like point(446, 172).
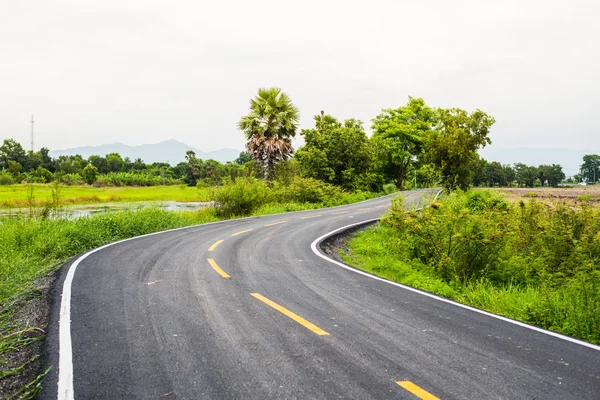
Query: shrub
point(389, 188)
point(477, 236)
point(90, 174)
point(6, 178)
point(71, 179)
point(309, 190)
point(241, 197)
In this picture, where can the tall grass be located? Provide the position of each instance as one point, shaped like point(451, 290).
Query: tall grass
point(29, 248)
point(12, 196)
point(530, 261)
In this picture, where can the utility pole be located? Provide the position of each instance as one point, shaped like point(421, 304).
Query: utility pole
point(32, 133)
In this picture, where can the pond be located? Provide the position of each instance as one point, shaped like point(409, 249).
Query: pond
point(91, 209)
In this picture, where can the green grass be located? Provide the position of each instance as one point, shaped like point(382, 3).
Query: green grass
point(433, 251)
point(31, 248)
point(12, 196)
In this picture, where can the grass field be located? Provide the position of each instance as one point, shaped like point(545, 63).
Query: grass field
point(18, 196)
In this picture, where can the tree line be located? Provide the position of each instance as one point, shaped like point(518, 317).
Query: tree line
point(412, 145)
point(18, 165)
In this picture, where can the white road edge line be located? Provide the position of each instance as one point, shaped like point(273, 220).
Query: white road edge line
point(65, 347)
point(314, 246)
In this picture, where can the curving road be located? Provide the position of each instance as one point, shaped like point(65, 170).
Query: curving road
point(245, 309)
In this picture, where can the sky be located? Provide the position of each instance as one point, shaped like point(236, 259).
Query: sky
point(142, 71)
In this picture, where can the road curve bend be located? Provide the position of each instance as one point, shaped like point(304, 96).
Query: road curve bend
point(244, 309)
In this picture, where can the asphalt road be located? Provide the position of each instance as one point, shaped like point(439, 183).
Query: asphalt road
point(153, 318)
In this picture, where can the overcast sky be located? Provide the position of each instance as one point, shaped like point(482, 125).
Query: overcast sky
point(140, 71)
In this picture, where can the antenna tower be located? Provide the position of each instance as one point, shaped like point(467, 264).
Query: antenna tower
point(32, 132)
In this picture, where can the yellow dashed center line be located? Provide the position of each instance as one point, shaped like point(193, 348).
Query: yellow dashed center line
point(214, 246)
point(239, 233)
point(417, 391)
point(291, 315)
point(380, 206)
point(341, 212)
point(216, 268)
point(276, 223)
point(363, 209)
point(311, 216)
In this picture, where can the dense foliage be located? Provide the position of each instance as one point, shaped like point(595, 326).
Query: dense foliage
point(269, 127)
point(335, 152)
point(476, 243)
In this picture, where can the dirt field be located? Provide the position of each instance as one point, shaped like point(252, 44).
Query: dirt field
point(576, 193)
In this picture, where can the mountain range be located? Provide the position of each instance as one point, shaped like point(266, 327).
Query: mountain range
point(171, 151)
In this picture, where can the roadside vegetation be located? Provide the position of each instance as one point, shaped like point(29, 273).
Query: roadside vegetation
point(34, 245)
point(38, 195)
point(517, 271)
point(534, 261)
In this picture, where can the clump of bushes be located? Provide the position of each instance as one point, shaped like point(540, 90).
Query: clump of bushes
point(6, 178)
point(246, 195)
point(552, 250)
point(241, 197)
point(134, 179)
point(71, 179)
point(309, 190)
point(389, 188)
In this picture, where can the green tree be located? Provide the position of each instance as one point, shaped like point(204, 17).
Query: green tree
point(192, 169)
point(33, 160)
point(115, 162)
point(452, 145)
point(509, 175)
point(551, 174)
point(590, 169)
point(269, 127)
point(100, 163)
point(243, 158)
point(90, 174)
point(47, 162)
point(138, 165)
point(14, 168)
point(480, 167)
point(42, 174)
point(400, 136)
point(71, 164)
point(496, 175)
point(11, 150)
point(334, 152)
point(525, 175)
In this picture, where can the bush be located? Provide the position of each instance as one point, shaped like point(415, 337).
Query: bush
point(241, 197)
point(389, 188)
point(71, 179)
point(477, 238)
point(309, 190)
point(6, 178)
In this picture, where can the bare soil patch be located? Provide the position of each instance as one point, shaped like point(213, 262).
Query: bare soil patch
point(575, 194)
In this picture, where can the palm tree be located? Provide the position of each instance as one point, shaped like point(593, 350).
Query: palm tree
point(269, 127)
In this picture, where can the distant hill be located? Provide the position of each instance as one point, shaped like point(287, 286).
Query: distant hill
point(171, 151)
point(570, 160)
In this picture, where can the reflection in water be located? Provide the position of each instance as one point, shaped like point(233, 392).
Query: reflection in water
point(86, 210)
